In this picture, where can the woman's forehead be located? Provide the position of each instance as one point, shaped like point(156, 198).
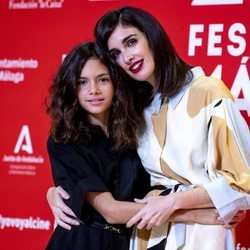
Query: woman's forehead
point(120, 33)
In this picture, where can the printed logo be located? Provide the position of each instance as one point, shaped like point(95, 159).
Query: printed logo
point(236, 35)
point(22, 161)
point(238, 247)
point(63, 57)
point(24, 141)
point(210, 39)
point(35, 4)
point(24, 223)
point(215, 2)
point(8, 69)
point(241, 85)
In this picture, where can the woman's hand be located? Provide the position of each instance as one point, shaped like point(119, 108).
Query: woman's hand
point(62, 213)
point(237, 219)
point(207, 216)
point(157, 210)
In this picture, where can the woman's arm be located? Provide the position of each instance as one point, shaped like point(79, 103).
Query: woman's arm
point(60, 210)
point(120, 212)
point(159, 209)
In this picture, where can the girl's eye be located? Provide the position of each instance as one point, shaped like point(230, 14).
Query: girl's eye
point(82, 82)
point(104, 79)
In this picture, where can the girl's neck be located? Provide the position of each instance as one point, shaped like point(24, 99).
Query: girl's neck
point(100, 120)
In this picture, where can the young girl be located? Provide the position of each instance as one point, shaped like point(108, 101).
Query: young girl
point(92, 149)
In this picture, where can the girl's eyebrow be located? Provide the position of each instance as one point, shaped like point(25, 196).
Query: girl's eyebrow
point(103, 74)
point(100, 75)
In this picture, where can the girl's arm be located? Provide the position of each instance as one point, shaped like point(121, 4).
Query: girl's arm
point(118, 212)
point(114, 211)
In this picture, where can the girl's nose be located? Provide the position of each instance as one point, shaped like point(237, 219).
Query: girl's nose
point(94, 88)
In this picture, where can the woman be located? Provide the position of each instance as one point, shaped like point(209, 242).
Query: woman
point(194, 140)
point(193, 129)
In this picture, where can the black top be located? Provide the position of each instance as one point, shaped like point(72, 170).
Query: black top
point(94, 168)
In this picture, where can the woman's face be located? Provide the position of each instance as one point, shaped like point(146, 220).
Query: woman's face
point(96, 90)
point(129, 47)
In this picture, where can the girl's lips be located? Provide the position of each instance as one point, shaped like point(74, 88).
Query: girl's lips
point(95, 102)
point(136, 66)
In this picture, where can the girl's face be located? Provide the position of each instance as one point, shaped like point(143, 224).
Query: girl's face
point(96, 91)
point(129, 47)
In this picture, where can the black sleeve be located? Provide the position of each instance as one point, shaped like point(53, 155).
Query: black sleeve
point(72, 170)
point(143, 180)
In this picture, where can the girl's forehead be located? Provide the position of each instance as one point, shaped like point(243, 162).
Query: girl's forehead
point(94, 65)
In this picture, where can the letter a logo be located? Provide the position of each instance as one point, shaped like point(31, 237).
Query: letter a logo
point(24, 141)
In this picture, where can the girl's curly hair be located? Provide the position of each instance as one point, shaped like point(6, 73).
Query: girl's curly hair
point(69, 121)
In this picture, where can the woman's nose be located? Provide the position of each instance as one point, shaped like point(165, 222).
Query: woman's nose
point(127, 57)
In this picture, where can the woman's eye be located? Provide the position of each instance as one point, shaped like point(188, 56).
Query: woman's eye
point(131, 42)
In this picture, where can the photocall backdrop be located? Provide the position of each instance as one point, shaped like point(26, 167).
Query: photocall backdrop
point(35, 36)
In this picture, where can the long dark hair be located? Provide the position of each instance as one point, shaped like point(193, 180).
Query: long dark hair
point(69, 122)
point(171, 72)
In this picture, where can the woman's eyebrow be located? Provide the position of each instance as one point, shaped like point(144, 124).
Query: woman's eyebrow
point(124, 40)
